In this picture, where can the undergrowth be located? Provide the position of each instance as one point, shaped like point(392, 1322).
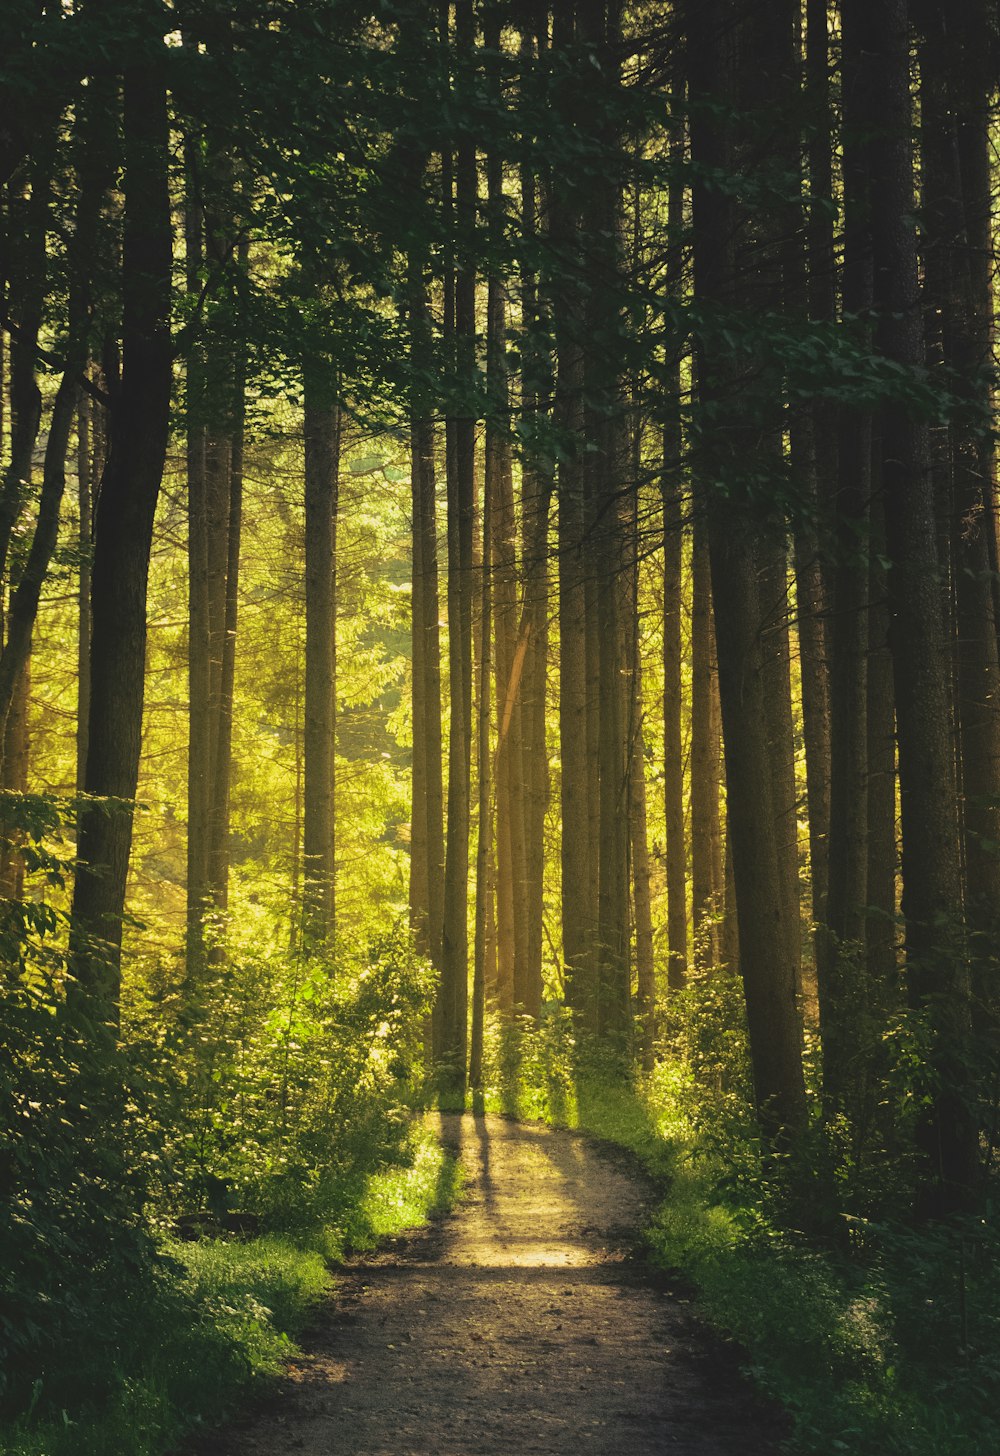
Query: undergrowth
point(268, 1104)
point(220, 1316)
point(879, 1336)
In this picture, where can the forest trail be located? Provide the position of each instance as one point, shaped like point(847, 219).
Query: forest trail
point(521, 1323)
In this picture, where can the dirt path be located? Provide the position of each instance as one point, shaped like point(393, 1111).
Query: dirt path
point(520, 1324)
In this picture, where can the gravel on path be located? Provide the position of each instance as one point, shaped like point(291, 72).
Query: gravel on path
point(524, 1322)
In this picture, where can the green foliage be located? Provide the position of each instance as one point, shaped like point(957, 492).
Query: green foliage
point(75, 1249)
point(528, 1071)
point(278, 1087)
point(879, 1337)
point(888, 1347)
point(222, 1316)
point(422, 1182)
point(74, 1157)
point(705, 1057)
point(288, 1077)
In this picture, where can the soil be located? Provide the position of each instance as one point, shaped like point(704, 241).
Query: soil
point(526, 1321)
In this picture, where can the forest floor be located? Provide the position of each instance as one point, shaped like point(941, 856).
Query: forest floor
point(526, 1321)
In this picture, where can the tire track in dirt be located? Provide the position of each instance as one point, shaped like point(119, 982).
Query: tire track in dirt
point(522, 1323)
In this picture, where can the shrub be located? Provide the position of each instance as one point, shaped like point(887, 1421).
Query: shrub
point(292, 1082)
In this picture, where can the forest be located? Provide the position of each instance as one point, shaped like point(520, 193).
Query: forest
point(499, 610)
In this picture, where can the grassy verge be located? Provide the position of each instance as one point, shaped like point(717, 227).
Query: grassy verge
point(225, 1317)
point(880, 1343)
point(883, 1342)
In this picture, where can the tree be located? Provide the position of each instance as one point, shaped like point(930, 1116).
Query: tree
point(937, 970)
point(321, 420)
point(123, 534)
point(735, 266)
point(427, 834)
point(841, 991)
point(460, 330)
point(577, 879)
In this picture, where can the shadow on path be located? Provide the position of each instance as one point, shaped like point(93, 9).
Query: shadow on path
point(522, 1323)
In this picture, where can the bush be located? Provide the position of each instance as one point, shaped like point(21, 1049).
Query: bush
point(283, 1089)
point(879, 1337)
point(76, 1255)
point(292, 1082)
point(529, 1069)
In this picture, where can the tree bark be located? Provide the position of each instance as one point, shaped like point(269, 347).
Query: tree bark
point(321, 425)
point(706, 891)
point(955, 106)
point(94, 162)
point(815, 463)
point(484, 809)
point(645, 1000)
point(608, 495)
point(460, 329)
point(124, 525)
point(86, 457)
point(937, 969)
point(577, 849)
point(842, 987)
point(427, 840)
point(199, 658)
point(537, 474)
point(881, 968)
point(222, 767)
point(26, 288)
point(748, 55)
point(673, 746)
point(15, 746)
point(675, 856)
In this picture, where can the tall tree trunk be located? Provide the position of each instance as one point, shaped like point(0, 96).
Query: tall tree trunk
point(199, 659)
point(124, 526)
point(511, 644)
point(706, 891)
point(86, 457)
point(453, 1009)
point(881, 969)
point(23, 606)
point(729, 932)
point(508, 662)
point(482, 977)
point(638, 838)
point(15, 745)
point(613, 926)
point(94, 163)
point(776, 650)
point(815, 462)
point(673, 747)
point(427, 842)
point(937, 970)
point(842, 989)
point(26, 288)
point(321, 425)
point(608, 496)
point(749, 56)
point(222, 766)
point(955, 115)
point(537, 471)
point(673, 556)
point(218, 490)
point(578, 909)
point(216, 411)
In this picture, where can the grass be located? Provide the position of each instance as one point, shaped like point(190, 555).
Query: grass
point(225, 1318)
